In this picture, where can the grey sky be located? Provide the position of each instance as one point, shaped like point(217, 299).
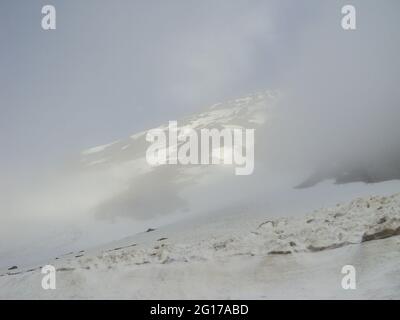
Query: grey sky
point(115, 67)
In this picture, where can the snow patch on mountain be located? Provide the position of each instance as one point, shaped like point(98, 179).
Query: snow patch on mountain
point(98, 148)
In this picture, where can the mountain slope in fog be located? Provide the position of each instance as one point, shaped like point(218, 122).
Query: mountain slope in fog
point(141, 183)
point(371, 170)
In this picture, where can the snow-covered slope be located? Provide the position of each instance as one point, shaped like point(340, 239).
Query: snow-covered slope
point(111, 191)
point(238, 257)
point(222, 232)
point(249, 111)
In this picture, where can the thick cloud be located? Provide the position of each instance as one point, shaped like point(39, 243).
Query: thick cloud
point(341, 111)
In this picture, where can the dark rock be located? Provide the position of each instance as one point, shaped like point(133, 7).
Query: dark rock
point(332, 246)
point(279, 252)
point(383, 234)
point(377, 169)
point(65, 269)
point(382, 220)
point(265, 222)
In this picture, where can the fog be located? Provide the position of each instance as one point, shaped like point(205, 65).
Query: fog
point(342, 103)
point(138, 65)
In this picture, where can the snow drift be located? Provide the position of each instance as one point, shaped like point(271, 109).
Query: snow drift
point(298, 257)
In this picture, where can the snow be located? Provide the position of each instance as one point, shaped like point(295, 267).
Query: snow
point(238, 256)
point(230, 238)
point(125, 147)
point(93, 163)
point(138, 135)
point(259, 120)
point(98, 148)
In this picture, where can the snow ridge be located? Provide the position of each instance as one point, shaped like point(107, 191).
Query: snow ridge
point(363, 219)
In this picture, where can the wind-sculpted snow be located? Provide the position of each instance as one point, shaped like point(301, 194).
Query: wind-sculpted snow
point(278, 258)
point(361, 220)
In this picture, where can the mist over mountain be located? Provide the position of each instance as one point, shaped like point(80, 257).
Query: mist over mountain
point(324, 103)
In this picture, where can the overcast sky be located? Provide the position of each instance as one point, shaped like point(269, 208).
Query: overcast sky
point(115, 67)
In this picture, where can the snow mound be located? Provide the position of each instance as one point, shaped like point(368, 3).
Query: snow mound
point(280, 258)
point(361, 220)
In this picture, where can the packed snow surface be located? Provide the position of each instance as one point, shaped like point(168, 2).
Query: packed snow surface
point(237, 257)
